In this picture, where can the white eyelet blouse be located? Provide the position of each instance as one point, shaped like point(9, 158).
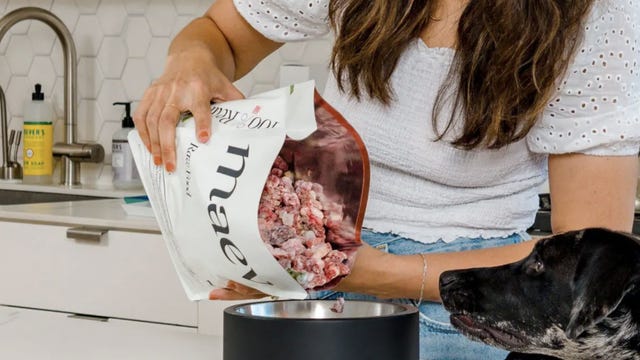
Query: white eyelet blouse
point(427, 190)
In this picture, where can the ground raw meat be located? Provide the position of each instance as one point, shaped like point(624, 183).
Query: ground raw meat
point(338, 306)
point(302, 228)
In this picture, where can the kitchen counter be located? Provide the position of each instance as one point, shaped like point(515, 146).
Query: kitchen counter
point(84, 189)
point(542, 224)
point(34, 334)
point(107, 213)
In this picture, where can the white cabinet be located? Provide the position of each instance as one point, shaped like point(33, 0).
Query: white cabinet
point(211, 315)
point(126, 275)
point(36, 334)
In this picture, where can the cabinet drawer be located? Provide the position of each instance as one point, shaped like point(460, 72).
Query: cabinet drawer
point(35, 334)
point(125, 275)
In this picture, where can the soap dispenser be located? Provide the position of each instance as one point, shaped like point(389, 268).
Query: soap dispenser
point(37, 154)
point(125, 173)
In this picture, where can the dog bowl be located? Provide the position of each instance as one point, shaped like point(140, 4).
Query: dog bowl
point(310, 330)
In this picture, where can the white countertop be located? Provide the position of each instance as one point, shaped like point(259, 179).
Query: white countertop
point(100, 213)
point(33, 334)
point(84, 189)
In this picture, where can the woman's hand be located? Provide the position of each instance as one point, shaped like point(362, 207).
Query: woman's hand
point(235, 291)
point(190, 82)
point(205, 57)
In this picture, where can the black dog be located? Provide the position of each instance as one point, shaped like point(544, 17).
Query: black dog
point(574, 297)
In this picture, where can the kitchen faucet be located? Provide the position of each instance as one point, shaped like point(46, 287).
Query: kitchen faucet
point(72, 153)
point(9, 170)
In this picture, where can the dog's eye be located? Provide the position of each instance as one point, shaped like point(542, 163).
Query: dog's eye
point(535, 267)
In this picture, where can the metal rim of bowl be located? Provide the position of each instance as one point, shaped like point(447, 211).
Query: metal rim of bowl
point(407, 309)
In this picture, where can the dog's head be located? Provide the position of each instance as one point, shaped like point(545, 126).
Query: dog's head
point(573, 291)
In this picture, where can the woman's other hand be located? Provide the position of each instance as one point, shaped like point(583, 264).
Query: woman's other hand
point(235, 291)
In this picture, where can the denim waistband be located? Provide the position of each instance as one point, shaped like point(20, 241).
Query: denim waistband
point(400, 245)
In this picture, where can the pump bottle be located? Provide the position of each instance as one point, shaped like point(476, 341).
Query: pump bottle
point(37, 154)
point(125, 173)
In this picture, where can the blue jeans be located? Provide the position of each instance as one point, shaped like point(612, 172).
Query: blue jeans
point(439, 340)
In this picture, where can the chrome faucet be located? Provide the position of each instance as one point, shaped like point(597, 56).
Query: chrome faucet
point(72, 153)
point(10, 168)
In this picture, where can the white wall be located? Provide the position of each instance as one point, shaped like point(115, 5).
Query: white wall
point(121, 48)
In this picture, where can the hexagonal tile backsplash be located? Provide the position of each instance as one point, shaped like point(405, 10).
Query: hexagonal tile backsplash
point(121, 48)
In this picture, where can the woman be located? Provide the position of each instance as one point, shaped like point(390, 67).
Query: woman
point(463, 106)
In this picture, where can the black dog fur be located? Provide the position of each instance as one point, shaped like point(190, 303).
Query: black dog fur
point(576, 296)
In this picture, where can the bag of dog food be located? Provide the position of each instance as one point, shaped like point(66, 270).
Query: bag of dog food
point(275, 199)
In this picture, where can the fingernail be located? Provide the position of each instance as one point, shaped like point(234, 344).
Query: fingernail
point(157, 160)
point(213, 295)
point(203, 136)
point(170, 167)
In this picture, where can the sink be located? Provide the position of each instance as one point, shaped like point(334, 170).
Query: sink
point(12, 197)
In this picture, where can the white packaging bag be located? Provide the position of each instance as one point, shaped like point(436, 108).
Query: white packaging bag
point(207, 209)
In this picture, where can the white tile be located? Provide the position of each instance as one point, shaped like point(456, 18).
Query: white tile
point(89, 78)
point(87, 6)
point(87, 35)
point(23, 26)
point(112, 91)
point(181, 22)
point(136, 7)
point(245, 84)
point(135, 78)
point(5, 73)
point(292, 52)
point(105, 135)
point(42, 38)
point(137, 36)
point(15, 122)
point(4, 43)
point(204, 6)
point(161, 15)
point(42, 72)
point(19, 89)
point(89, 120)
point(58, 132)
point(67, 11)
point(267, 69)
point(45, 4)
point(317, 52)
point(3, 5)
point(112, 15)
point(57, 58)
point(19, 54)
point(157, 55)
point(106, 131)
point(57, 97)
point(187, 7)
point(112, 57)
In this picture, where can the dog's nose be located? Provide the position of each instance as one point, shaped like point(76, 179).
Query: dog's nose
point(447, 280)
point(455, 291)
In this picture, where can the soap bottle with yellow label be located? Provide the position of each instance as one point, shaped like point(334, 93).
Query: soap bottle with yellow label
point(38, 140)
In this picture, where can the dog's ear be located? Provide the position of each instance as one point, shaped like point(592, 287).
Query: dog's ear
point(601, 281)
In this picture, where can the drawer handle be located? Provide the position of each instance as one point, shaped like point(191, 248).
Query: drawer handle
point(86, 233)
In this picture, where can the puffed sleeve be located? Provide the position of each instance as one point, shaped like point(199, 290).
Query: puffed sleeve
point(286, 20)
point(596, 109)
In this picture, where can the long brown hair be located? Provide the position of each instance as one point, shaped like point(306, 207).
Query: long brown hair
point(509, 56)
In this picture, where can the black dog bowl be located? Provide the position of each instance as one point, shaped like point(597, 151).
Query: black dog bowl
point(309, 330)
